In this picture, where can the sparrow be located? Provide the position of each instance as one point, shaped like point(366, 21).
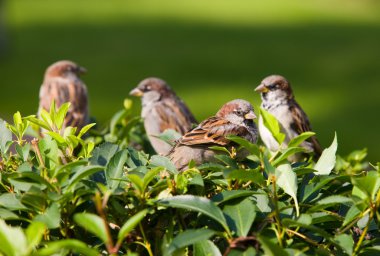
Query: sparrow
point(162, 109)
point(234, 118)
point(62, 84)
point(278, 99)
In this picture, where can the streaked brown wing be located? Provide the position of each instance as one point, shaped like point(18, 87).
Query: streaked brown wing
point(175, 115)
point(212, 131)
point(63, 90)
point(302, 124)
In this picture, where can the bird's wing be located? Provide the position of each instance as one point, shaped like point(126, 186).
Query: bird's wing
point(302, 124)
point(175, 115)
point(212, 131)
point(62, 91)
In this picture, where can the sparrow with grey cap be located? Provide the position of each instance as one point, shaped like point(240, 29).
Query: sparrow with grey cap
point(278, 99)
point(162, 109)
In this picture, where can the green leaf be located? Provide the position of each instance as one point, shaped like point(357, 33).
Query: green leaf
point(169, 136)
point(49, 152)
point(137, 182)
point(103, 153)
point(34, 234)
point(231, 194)
point(273, 126)
point(54, 248)
point(247, 175)
point(296, 141)
point(198, 204)
point(12, 240)
point(158, 160)
point(205, 248)
point(240, 216)
point(331, 201)
point(93, 223)
point(189, 237)
point(115, 168)
point(326, 162)
point(7, 215)
point(345, 242)
point(38, 122)
point(51, 217)
point(287, 152)
point(270, 248)
point(149, 176)
point(351, 214)
point(85, 129)
point(252, 148)
point(313, 188)
point(5, 137)
point(369, 184)
point(131, 224)
point(287, 180)
point(61, 114)
point(11, 202)
point(82, 173)
point(23, 151)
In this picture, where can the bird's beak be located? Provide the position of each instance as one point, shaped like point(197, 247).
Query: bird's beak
point(82, 70)
point(261, 88)
point(250, 116)
point(136, 92)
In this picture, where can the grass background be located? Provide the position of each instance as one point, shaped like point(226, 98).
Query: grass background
point(209, 51)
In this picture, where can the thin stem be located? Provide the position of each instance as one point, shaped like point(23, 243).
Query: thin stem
point(359, 243)
point(146, 243)
point(277, 212)
point(99, 208)
point(303, 237)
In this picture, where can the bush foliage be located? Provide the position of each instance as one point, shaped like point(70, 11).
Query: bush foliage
point(103, 193)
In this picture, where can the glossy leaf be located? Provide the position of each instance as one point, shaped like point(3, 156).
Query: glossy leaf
point(189, 237)
point(287, 180)
point(326, 162)
point(93, 224)
point(240, 216)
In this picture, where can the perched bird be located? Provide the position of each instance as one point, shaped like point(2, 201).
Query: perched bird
point(62, 84)
point(278, 99)
point(234, 118)
point(162, 109)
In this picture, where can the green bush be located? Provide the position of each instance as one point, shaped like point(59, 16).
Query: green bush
point(69, 192)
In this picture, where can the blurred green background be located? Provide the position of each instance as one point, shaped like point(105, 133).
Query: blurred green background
point(209, 51)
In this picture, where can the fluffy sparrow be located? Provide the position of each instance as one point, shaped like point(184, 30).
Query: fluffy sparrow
point(62, 84)
point(162, 109)
point(278, 99)
point(234, 118)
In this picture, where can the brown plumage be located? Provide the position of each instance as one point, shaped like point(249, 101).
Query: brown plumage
point(234, 118)
point(278, 99)
point(162, 109)
point(62, 84)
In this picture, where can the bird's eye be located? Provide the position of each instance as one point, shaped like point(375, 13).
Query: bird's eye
point(272, 86)
point(239, 112)
point(148, 87)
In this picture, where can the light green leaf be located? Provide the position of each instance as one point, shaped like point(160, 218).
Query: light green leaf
point(287, 152)
point(157, 160)
point(206, 248)
point(345, 242)
point(34, 234)
point(189, 237)
point(198, 204)
point(131, 224)
point(11, 202)
point(287, 180)
point(369, 184)
point(51, 217)
point(12, 240)
point(61, 114)
point(273, 126)
point(85, 129)
point(326, 162)
point(5, 137)
point(54, 248)
point(300, 138)
point(240, 216)
point(93, 223)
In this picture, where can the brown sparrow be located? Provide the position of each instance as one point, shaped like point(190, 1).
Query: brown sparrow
point(162, 109)
point(278, 99)
point(234, 118)
point(62, 84)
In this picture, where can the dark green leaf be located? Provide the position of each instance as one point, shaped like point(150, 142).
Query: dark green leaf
point(115, 169)
point(270, 248)
point(131, 224)
point(189, 237)
point(82, 173)
point(93, 224)
point(252, 148)
point(240, 216)
point(195, 203)
point(231, 194)
point(73, 245)
point(206, 248)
